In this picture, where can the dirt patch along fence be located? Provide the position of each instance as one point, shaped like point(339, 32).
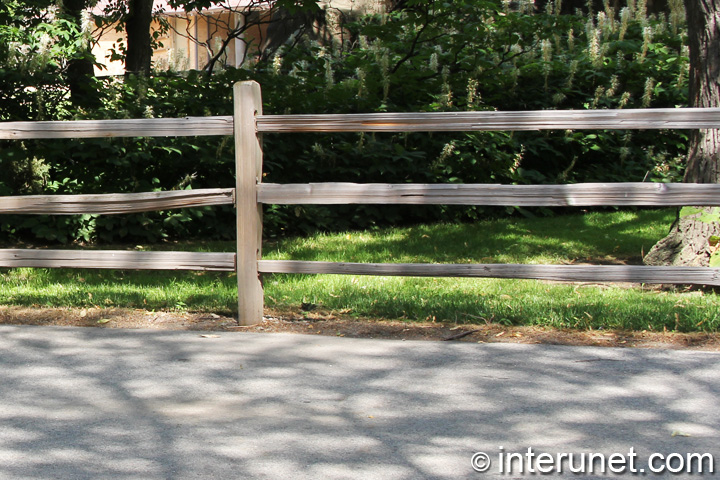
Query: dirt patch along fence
point(250, 193)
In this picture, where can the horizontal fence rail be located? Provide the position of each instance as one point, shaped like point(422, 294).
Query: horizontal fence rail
point(581, 194)
point(142, 127)
point(117, 259)
point(561, 273)
point(655, 118)
point(660, 118)
point(115, 203)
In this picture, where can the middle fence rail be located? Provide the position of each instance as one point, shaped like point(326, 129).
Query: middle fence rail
point(249, 193)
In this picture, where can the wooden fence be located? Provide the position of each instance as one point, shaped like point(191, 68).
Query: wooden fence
point(247, 125)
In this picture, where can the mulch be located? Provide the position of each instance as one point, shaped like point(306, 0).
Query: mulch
point(318, 323)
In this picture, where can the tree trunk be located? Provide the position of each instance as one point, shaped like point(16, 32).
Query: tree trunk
point(137, 28)
point(80, 70)
point(688, 242)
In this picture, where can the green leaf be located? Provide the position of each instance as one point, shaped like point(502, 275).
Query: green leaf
point(715, 260)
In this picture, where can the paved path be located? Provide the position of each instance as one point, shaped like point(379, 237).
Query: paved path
point(120, 404)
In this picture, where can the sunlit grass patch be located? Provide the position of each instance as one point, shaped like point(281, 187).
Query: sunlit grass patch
point(597, 237)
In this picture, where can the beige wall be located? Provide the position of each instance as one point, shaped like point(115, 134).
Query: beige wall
point(358, 6)
point(109, 40)
point(180, 53)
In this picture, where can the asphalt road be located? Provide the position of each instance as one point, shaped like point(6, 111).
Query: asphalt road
point(121, 404)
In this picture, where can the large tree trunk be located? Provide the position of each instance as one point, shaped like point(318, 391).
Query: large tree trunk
point(704, 41)
point(137, 28)
point(688, 242)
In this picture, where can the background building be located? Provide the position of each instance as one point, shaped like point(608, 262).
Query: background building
point(188, 40)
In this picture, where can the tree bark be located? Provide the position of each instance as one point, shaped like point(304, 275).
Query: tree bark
point(137, 27)
point(704, 42)
point(688, 240)
point(80, 70)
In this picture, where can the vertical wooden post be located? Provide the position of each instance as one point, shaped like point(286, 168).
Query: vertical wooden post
point(248, 171)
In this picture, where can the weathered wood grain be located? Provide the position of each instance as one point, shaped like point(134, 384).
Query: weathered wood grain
point(666, 118)
point(248, 168)
point(661, 118)
point(657, 118)
point(581, 194)
point(117, 259)
point(115, 203)
point(559, 273)
point(141, 127)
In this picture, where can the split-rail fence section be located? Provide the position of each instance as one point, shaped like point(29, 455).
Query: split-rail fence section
point(250, 193)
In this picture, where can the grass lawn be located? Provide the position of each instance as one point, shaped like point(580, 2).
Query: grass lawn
point(599, 237)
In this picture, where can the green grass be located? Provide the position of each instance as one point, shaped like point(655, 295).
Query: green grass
point(607, 237)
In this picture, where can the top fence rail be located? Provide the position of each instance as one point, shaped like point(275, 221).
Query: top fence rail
point(142, 127)
point(654, 118)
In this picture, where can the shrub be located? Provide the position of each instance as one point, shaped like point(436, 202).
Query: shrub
point(462, 55)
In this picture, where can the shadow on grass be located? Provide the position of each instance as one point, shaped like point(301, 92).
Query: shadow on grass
point(597, 237)
point(509, 302)
point(626, 235)
point(203, 291)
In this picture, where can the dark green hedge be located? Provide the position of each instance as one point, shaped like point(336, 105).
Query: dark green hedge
point(464, 56)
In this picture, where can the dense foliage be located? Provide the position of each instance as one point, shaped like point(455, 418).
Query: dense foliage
point(432, 56)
